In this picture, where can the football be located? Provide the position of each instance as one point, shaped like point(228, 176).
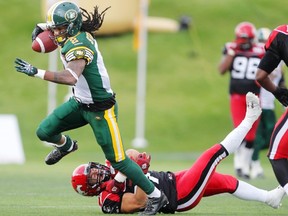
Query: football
point(43, 43)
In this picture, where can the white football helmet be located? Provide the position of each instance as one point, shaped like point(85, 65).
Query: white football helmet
point(263, 34)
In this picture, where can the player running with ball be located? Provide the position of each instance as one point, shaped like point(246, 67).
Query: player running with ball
point(93, 100)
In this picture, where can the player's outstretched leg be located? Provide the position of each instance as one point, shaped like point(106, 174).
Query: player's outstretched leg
point(233, 140)
point(249, 192)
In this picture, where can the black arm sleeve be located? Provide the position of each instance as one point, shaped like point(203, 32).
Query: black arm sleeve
point(269, 62)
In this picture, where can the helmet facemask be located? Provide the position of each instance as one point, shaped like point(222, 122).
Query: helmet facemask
point(244, 43)
point(61, 37)
point(87, 179)
point(64, 14)
point(103, 174)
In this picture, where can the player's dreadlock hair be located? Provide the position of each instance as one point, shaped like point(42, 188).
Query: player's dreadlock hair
point(93, 21)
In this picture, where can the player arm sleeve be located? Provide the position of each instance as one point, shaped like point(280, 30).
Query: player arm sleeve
point(80, 52)
point(269, 62)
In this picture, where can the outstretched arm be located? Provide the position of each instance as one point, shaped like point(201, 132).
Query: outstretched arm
point(133, 202)
point(69, 76)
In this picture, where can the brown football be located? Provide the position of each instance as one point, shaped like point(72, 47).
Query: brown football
point(43, 43)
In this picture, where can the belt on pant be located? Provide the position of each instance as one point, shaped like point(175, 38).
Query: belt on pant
point(98, 106)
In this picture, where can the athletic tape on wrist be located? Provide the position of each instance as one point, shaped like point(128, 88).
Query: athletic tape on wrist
point(120, 177)
point(40, 73)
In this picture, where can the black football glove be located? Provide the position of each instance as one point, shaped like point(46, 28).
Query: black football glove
point(24, 67)
point(40, 27)
point(281, 94)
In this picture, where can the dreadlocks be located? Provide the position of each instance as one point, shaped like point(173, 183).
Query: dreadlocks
point(93, 21)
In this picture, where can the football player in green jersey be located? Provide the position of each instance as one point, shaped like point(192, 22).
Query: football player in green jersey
point(93, 101)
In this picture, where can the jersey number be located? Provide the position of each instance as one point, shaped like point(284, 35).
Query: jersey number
point(244, 68)
point(152, 178)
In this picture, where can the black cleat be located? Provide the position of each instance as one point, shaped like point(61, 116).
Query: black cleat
point(56, 155)
point(154, 204)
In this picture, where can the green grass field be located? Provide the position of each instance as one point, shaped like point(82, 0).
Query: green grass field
point(187, 108)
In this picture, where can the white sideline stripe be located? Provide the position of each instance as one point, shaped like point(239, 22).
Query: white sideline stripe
point(40, 44)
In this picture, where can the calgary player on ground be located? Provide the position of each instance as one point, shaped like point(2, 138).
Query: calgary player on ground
point(277, 50)
point(93, 101)
point(185, 188)
point(241, 58)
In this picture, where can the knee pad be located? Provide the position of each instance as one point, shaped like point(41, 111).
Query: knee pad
point(43, 136)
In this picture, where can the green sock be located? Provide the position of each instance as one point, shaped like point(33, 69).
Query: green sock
point(67, 144)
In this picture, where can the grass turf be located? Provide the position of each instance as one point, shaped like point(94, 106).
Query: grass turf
point(37, 189)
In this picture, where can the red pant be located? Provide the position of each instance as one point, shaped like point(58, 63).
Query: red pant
point(202, 180)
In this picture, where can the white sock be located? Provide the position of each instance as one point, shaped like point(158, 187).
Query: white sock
point(234, 139)
point(155, 193)
point(246, 191)
point(286, 188)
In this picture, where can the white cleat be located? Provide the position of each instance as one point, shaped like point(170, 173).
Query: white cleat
point(253, 110)
point(275, 197)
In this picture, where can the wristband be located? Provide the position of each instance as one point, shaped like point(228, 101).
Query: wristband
point(120, 177)
point(231, 52)
point(40, 73)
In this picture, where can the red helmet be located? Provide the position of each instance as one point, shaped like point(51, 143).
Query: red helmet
point(245, 33)
point(84, 184)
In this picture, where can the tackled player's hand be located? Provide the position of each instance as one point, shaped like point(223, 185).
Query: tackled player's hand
point(114, 186)
point(143, 160)
point(24, 67)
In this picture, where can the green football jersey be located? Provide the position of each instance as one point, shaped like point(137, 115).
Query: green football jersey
point(94, 83)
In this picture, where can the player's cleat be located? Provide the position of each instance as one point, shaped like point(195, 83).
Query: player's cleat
point(253, 110)
point(256, 170)
point(275, 197)
point(56, 155)
point(154, 204)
